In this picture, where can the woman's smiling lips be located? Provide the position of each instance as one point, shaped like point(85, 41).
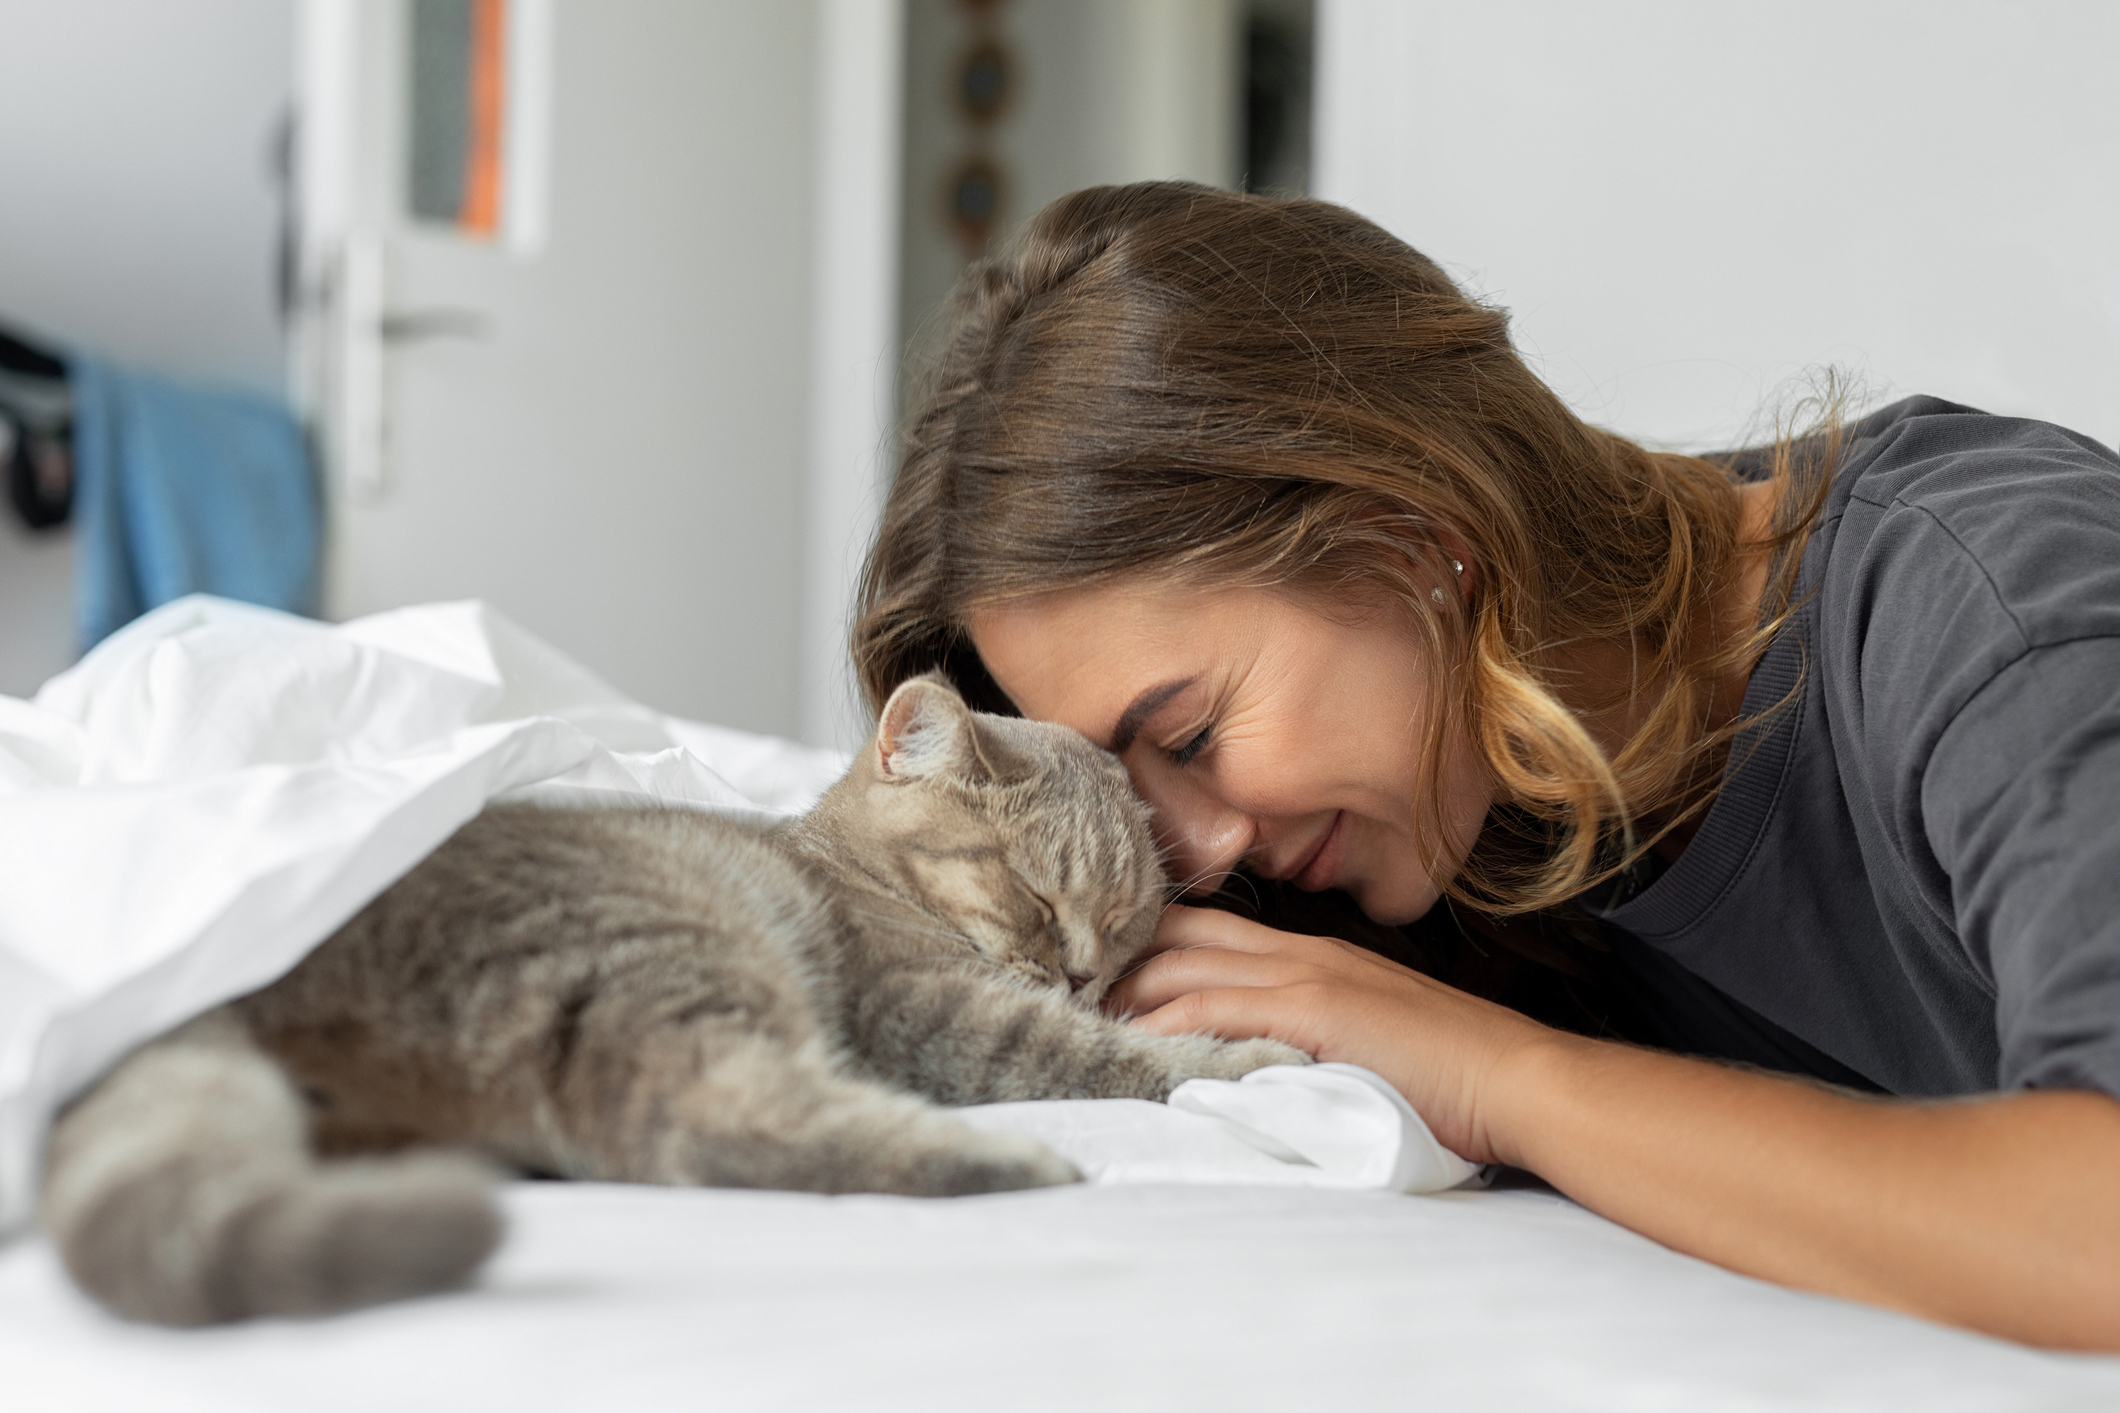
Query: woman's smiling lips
point(1314, 869)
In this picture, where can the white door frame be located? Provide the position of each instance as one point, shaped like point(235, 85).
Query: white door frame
point(854, 338)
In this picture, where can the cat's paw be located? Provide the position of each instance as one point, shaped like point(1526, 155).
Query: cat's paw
point(1000, 1162)
point(1237, 1058)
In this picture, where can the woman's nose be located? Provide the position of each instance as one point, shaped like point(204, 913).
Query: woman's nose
point(1202, 837)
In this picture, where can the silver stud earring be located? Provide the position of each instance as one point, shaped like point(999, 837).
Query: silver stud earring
point(1456, 567)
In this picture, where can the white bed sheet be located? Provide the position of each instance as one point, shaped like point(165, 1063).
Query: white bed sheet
point(1106, 1298)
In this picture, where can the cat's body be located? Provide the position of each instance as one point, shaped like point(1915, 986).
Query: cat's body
point(642, 995)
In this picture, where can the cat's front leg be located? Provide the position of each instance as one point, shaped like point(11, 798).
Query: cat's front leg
point(962, 1037)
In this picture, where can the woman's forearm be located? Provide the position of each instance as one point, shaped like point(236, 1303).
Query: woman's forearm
point(2001, 1214)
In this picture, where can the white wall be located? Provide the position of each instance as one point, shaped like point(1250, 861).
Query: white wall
point(1685, 204)
point(136, 217)
point(1109, 91)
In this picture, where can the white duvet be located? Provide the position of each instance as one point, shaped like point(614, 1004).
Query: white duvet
point(216, 788)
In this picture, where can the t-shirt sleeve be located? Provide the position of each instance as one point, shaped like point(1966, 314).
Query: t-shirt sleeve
point(2020, 800)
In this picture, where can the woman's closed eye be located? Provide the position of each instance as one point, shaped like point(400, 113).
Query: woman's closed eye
point(1185, 754)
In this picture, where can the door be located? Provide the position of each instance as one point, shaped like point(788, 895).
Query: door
point(558, 265)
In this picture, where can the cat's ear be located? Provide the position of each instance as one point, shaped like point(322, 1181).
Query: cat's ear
point(925, 731)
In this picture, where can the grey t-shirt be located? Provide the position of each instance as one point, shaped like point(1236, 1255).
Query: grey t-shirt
point(1913, 870)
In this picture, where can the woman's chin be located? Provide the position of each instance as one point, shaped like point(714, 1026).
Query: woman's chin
point(1391, 907)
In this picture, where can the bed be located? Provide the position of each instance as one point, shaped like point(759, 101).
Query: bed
point(147, 881)
point(1094, 1297)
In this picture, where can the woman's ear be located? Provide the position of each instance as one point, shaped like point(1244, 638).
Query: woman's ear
point(925, 731)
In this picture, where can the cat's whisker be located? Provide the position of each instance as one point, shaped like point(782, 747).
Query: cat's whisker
point(1131, 967)
point(1202, 876)
point(1220, 878)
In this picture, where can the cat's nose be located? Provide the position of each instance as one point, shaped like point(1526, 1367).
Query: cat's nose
point(1077, 980)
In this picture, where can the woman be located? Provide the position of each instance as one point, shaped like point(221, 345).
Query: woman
point(1826, 737)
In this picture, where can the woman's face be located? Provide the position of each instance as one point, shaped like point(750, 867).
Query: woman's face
point(1258, 729)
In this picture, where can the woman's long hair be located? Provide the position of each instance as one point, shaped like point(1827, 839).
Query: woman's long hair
point(1172, 382)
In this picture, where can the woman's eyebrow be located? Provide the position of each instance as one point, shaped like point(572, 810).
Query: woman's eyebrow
point(1141, 709)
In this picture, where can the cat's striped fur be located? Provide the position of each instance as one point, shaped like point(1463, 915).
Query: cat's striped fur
point(649, 996)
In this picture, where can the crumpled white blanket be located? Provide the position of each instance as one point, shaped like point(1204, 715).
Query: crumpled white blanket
point(1285, 1126)
point(216, 788)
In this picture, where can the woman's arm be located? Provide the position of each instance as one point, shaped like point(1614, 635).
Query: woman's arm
point(2000, 1213)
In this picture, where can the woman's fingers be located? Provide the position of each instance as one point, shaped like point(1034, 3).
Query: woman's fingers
point(1170, 974)
point(1201, 947)
point(1209, 927)
point(1234, 1013)
point(1185, 928)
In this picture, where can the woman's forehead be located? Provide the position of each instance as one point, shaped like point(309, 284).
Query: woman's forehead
point(1081, 656)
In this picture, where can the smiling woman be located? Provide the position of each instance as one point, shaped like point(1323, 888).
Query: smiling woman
point(1303, 404)
point(1819, 739)
point(1250, 723)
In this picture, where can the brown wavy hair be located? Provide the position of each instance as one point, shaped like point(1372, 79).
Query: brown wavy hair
point(1170, 381)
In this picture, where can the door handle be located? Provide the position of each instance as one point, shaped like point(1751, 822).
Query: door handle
point(363, 327)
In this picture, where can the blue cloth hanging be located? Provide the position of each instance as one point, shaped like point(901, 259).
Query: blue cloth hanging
point(180, 490)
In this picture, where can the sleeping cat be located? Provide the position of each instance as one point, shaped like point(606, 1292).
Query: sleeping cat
point(642, 995)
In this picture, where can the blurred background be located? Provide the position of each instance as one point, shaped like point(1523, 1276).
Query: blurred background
point(595, 309)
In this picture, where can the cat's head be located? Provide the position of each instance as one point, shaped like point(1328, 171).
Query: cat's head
point(1021, 837)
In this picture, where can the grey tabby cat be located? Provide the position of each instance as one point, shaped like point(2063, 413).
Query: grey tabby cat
point(647, 996)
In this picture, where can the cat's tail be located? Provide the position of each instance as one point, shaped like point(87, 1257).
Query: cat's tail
point(182, 1190)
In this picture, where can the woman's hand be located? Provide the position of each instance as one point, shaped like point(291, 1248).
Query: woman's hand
point(1999, 1213)
point(1452, 1055)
